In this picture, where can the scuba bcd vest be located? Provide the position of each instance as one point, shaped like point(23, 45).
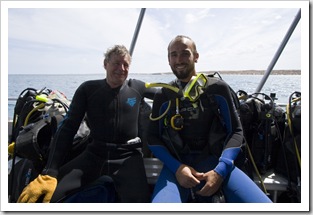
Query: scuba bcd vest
point(173, 117)
point(34, 139)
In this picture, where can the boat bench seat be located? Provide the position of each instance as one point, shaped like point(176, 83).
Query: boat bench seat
point(273, 182)
point(153, 168)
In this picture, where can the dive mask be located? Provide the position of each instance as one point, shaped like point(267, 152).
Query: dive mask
point(191, 91)
point(194, 87)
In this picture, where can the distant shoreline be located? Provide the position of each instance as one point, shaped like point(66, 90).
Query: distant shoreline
point(262, 72)
point(248, 72)
point(225, 72)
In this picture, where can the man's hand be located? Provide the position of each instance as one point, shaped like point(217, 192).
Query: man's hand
point(187, 176)
point(213, 183)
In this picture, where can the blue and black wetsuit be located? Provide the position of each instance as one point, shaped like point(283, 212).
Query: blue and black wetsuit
point(112, 118)
point(200, 144)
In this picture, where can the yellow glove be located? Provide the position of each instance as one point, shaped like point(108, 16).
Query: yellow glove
point(42, 185)
point(11, 148)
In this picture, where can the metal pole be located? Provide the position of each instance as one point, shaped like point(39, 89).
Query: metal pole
point(141, 15)
point(279, 51)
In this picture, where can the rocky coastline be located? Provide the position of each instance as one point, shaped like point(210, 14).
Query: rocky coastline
point(257, 72)
point(247, 72)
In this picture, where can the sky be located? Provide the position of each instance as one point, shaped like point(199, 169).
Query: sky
point(72, 38)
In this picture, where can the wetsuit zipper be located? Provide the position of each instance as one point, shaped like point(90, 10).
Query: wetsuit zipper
point(115, 128)
point(116, 121)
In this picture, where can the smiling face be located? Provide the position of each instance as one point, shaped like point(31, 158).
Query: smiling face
point(117, 64)
point(182, 56)
point(117, 70)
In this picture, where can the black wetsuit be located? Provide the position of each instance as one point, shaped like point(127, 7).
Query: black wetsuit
point(113, 118)
point(200, 145)
point(198, 121)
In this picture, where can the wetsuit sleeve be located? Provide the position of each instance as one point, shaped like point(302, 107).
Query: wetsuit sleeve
point(226, 161)
point(140, 86)
point(164, 155)
point(63, 139)
point(149, 93)
point(233, 143)
point(155, 143)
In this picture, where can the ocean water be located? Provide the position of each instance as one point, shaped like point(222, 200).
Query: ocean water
point(282, 85)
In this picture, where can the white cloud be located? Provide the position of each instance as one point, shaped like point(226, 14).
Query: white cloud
point(197, 16)
point(73, 40)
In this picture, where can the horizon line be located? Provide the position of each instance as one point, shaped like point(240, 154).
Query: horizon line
point(234, 72)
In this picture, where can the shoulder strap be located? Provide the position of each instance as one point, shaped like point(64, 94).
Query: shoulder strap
point(215, 106)
point(233, 93)
point(55, 120)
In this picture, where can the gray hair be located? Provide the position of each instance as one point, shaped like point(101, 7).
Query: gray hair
point(116, 50)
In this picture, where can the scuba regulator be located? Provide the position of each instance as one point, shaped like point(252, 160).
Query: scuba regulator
point(191, 91)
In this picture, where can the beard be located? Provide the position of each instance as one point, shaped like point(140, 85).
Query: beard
point(183, 74)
